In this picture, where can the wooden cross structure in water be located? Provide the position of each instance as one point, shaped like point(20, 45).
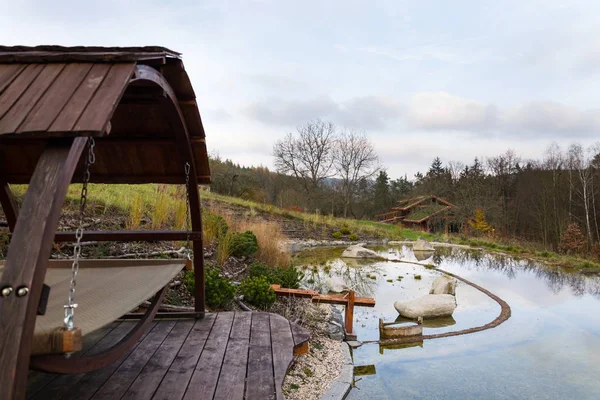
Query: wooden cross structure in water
point(349, 301)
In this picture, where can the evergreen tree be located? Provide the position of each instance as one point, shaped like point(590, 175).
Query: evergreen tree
point(381, 192)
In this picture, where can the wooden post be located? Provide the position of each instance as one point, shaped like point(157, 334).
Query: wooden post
point(27, 259)
point(349, 317)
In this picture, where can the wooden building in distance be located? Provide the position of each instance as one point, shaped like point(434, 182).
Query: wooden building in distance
point(429, 213)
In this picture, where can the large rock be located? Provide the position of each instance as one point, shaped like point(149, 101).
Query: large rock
point(428, 306)
point(443, 285)
point(336, 284)
point(422, 245)
point(357, 251)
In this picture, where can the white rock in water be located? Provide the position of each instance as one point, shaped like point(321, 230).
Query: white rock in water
point(423, 245)
point(357, 251)
point(443, 285)
point(428, 306)
point(336, 284)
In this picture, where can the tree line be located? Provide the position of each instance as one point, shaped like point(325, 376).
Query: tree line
point(322, 168)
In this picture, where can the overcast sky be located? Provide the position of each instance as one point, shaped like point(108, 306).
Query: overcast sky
point(454, 79)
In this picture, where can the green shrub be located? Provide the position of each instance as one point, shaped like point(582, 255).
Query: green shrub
point(257, 291)
point(219, 291)
point(244, 244)
point(344, 230)
point(287, 277)
point(353, 237)
point(337, 235)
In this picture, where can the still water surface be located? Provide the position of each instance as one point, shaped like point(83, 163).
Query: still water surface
point(548, 349)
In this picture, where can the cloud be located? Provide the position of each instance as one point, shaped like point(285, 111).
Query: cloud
point(369, 112)
point(442, 111)
point(433, 112)
point(548, 117)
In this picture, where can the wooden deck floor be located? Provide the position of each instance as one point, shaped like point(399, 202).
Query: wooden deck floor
point(241, 355)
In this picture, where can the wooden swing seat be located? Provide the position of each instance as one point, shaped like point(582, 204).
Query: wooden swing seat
point(106, 290)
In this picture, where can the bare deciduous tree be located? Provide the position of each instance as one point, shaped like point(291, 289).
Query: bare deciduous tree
point(307, 156)
point(354, 159)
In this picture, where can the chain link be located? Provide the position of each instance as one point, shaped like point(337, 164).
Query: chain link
point(188, 168)
point(71, 305)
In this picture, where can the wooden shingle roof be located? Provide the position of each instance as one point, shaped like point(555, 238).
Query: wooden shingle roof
point(51, 91)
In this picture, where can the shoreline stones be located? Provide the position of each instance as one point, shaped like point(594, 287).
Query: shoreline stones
point(443, 285)
point(335, 327)
point(423, 245)
point(428, 306)
point(357, 251)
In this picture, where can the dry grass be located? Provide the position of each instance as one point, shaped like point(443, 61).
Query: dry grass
point(224, 247)
point(269, 236)
point(180, 215)
point(136, 212)
point(160, 211)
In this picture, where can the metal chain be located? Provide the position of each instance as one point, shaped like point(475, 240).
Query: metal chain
point(71, 305)
point(188, 168)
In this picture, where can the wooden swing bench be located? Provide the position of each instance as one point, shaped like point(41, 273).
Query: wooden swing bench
point(112, 115)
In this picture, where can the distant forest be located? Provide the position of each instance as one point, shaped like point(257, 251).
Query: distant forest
point(534, 200)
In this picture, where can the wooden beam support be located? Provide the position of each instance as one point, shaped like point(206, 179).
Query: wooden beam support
point(349, 317)
point(27, 258)
point(129, 236)
point(9, 205)
point(177, 122)
point(337, 299)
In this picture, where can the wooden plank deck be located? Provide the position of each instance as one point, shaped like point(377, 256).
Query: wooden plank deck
point(228, 355)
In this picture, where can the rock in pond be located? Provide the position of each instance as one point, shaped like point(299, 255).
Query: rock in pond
point(423, 245)
point(336, 284)
point(443, 285)
point(358, 251)
point(428, 306)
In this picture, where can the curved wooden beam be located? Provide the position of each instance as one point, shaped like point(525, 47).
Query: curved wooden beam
point(9, 205)
point(177, 121)
point(59, 364)
point(27, 259)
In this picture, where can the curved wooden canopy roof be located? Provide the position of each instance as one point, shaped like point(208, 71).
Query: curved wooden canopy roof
point(64, 92)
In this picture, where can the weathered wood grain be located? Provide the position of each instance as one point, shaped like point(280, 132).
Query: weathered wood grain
point(260, 379)
point(105, 100)
point(228, 355)
point(50, 105)
point(176, 380)
point(124, 376)
point(8, 72)
point(205, 377)
point(29, 97)
point(15, 90)
point(150, 377)
point(43, 380)
point(281, 338)
point(83, 387)
point(233, 372)
point(72, 110)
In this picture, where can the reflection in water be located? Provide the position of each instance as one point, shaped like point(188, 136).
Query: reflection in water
point(398, 346)
point(548, 349)
point(555, 277)
point(439, 322)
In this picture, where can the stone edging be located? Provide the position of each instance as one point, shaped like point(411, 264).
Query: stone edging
point(340, 386)
point(505, 313)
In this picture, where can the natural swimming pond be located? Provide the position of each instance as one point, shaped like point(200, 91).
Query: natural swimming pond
point(548, 349)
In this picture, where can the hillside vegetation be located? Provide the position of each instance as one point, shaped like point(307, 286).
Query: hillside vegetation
point(163, 207)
